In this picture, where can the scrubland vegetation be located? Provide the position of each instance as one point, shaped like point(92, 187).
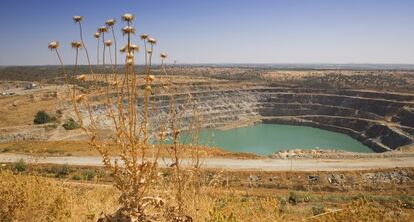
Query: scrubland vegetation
point(23, 199)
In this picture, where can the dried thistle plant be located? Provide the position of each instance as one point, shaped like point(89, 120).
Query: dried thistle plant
point(78, 19)
point(98, 37)
point(76, 46)
point(110, 24)
point(135, 169)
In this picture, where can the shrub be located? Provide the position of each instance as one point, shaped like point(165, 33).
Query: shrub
point(407, 202)
point(20, 166)
point(42, 117)
point(216, 215)
point(61, 171)
point(70, 124)
point(298, 197)
point(316, 210)
point(76, 177)
point(88, 174)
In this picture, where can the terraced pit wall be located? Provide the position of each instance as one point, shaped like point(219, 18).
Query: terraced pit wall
point(383, 121)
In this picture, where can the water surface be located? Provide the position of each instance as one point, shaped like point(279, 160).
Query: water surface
point(265, 139)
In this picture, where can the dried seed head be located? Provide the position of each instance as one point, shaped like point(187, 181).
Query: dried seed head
point(128, 30)
point(163, 55)
point(103, 29)
point(97, 35)
point(148, 88)
point(53, 45)
point(110, 22)
point(123, 49)
point(128, 17)
point(144, 36)
point(151, 78)
point(77, 18)
point(134, 47)
point(108, 42)
point(76, 45)
point(81, 77)
point(80, 98)
point(152, 41)
point(130, 56)
point(149, 51)
point(130, 61)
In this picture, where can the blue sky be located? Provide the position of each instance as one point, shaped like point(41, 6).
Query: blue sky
point(220, 31)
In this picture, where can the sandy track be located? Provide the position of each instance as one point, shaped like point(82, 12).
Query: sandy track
point(236, 164)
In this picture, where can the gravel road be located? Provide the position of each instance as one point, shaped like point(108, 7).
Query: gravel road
point(238, 164)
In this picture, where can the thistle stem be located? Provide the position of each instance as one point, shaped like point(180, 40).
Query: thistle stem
point(104, 47)
point(115, 47)
point(97, 53)
point(76, 62)
point(61, 63)
point(84, 46)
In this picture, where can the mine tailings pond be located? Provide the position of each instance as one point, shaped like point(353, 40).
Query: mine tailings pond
point(265, 139)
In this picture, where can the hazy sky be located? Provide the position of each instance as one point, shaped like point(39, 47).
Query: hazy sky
point(220, 31)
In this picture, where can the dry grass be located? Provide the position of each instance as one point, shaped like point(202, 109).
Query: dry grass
point(30, 198)
point(23, 199)
point(20, 110)
point(82, 148)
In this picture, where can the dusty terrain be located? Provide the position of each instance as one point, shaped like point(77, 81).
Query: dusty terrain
point(375, 107)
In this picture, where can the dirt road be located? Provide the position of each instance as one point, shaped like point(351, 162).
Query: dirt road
point(237, 164)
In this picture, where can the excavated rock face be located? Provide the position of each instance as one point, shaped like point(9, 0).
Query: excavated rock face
point(382, 120)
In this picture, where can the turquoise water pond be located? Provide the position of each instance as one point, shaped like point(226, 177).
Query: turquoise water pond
point(265, 139)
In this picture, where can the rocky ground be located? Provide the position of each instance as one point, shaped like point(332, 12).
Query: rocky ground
point(374, 107)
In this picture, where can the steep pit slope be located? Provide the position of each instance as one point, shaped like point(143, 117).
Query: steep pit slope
point(380, 120)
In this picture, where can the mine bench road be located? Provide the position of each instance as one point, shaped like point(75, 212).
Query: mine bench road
point(240, 164)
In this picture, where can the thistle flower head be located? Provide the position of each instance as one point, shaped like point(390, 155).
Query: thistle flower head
point(128, 17)
point(130, 56)
point(76, 45)
point(110, 22)
point(151, 78)
point(97, 35)
point(130, 61)
point(163, 55)
point(152, 41)
point(128, 30)
point(108, 42)
point(77, 18)
point(123, 49)
point(144, 36)
point(53, 45)
point(103, 29)
point(133, 47)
